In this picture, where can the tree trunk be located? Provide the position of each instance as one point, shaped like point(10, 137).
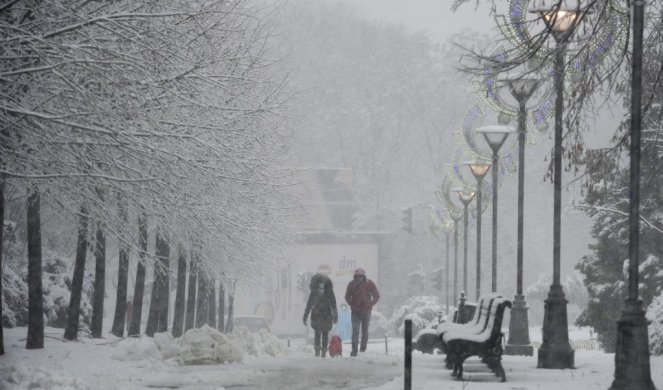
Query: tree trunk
point(191, 296)
point(139, 288)
point(35, 294)
point(231, 302)
point(73, 314)
point(202, 310)
point(180, 295)
point(163, 257)
point(222, 308)
point(2, 229)
point(99, 283)
point(119, 318)
point(212, 303)
point(153, 313)
point(121, 297)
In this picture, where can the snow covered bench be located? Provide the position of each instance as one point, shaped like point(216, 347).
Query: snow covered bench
point(482, 339)
point(430, 338)
point(475, 325)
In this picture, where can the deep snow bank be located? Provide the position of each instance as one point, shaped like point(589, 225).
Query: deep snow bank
point(207, 345)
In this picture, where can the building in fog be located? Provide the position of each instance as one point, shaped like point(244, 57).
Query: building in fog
point(326, 238)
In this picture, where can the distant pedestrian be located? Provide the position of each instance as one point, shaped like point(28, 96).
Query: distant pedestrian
point(321, 305)
point(361, 295)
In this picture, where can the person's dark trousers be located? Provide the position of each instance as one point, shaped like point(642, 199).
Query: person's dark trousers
point(320, 342)
point(360, 319)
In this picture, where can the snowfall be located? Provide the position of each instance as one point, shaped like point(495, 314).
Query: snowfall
point(207, 359)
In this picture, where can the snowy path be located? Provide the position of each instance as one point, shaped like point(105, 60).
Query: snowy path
point(298, 372)
point(132, 364)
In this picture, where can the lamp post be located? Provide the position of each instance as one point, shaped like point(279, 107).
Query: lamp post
point(447, 226)
point(466, 197)
point(555, 351)
point(632, 369)
point(455, 216)
point(519, 342)
point(479, 170)
point(495, 136)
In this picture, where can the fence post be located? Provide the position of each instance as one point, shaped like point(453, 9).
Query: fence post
point(408, 355)
point(386, 346)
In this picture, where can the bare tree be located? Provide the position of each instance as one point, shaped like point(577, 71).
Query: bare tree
point(178, 317)
point(139, 289)
point(189, 321)
point(35, 338)
point(119, 318)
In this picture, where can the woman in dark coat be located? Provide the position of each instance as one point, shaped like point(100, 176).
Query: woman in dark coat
point(322, 307)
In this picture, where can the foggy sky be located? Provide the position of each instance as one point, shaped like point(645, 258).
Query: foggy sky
point(431, 16)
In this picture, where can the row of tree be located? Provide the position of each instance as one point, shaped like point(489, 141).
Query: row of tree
point(122, 115)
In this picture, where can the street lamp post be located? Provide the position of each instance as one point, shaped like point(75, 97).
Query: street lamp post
point(466, 197)
point(555, 351)
point(455, 216)
point(519, 342)
point(495, 136)
point(479, 170)
point(447, 232)
point(632, 369)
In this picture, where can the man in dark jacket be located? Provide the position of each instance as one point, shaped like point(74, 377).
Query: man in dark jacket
point(321, 305)
point(361, 295)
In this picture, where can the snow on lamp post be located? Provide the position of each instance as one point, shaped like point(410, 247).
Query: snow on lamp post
point(555, 351)
point(479, 170)
point(632, 369)
point(495, 136)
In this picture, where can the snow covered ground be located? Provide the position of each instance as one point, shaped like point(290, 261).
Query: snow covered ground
point(113, 363)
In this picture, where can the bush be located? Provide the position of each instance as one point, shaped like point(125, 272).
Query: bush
point(14, 299)
point(420, 309)
point(655, 315)
point(56, 284)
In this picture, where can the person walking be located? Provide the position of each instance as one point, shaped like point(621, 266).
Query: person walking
point(321, 305)
point(361, 295)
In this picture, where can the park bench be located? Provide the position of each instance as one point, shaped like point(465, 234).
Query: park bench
point(430, 338)
point(482, 338)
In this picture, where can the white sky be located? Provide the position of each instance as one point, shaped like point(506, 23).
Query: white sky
point(432, 16)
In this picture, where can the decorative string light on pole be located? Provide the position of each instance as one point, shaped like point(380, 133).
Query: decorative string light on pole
point(612, 32)
point(515, 28)
point(521, 82)
point(479, 170)
point(466, 196)
point(522, 86)
point(495, 136)
point(555, 351)
point(439, 223)
point(456, 214)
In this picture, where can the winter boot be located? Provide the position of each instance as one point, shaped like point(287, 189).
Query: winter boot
point(353, 353)
point(323, 352)
point(317, 351)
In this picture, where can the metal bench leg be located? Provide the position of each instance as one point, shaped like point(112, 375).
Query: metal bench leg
point(459, 364)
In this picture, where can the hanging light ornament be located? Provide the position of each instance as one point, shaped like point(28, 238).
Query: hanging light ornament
point(487, 88)
point(611, 32)
point(468, 150)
